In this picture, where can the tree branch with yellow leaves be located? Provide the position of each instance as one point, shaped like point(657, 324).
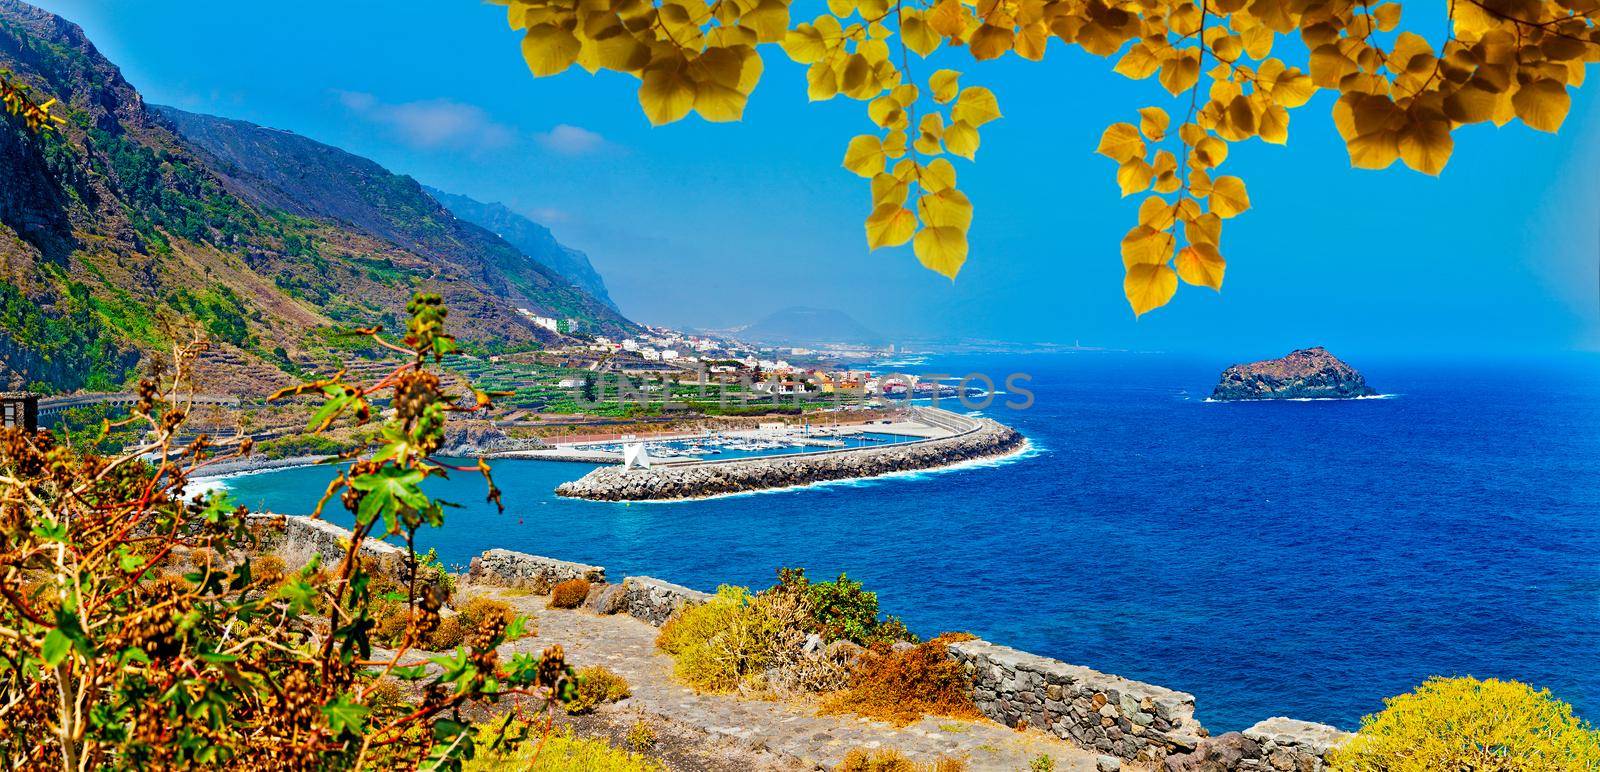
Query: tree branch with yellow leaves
point(1399, 97)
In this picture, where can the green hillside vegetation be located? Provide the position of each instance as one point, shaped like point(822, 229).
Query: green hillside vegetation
point(124, 223)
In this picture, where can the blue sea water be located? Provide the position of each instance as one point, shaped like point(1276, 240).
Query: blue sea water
point(1302, 558)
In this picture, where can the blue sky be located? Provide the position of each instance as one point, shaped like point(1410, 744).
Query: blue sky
point(714, 225)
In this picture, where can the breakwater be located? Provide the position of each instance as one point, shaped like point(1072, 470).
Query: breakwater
point(1123, 719)
point(963, 439)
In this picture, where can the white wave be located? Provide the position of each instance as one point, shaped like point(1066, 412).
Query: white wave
point(1027, 450)
point(1307, 399)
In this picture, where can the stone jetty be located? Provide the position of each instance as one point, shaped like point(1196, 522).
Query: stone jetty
point(966, 439)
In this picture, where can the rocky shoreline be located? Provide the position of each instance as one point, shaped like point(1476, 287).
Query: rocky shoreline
point(982, 438)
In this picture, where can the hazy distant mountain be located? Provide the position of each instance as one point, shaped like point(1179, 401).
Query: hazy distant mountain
point(533, 239)
point(799, 325)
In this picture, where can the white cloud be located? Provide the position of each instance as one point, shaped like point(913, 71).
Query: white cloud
point(567, 139)
point(431, 123)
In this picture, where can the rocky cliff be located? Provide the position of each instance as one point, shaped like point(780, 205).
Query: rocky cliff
point(129, 217)
point(1310, 373)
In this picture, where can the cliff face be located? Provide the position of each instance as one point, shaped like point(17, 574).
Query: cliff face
point(533, 239)
point(1310, 373)
point(129, 218)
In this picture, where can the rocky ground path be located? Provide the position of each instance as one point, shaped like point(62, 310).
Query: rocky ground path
point(752, 734)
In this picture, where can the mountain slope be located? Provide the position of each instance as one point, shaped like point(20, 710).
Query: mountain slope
point(535, 240)
point(118, 227)
point(800, 325)
point(283, 170)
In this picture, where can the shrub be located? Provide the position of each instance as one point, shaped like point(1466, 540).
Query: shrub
point(1467, 724)
point(482, 608)
point(843, 609)
point(892, 760)
point(903, 686)
point(641, 735)
point(560, 752)
point(597, 685)
point(720, 645)
point(1042, 763)
point(224, 668)
point(569, 594)
point(448, 635)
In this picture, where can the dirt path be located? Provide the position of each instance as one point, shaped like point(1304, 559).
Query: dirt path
point(777, 734)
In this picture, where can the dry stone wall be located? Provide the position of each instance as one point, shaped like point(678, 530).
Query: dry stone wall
point(1120, 718)
point(1101, 712)
point(504, 568)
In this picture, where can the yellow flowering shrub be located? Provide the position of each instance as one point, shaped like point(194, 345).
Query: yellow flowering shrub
point(1468, 724)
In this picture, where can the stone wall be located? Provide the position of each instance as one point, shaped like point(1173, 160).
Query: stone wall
point(1275, 745)
point(1105, 713)
point(645, 598)
point(297, 538)
point(684, 481)
point(504, 568)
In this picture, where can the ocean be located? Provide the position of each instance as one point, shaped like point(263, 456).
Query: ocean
point(1304, 559)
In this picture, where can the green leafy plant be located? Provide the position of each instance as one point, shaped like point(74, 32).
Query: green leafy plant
point(142, 631)
point(843, 609)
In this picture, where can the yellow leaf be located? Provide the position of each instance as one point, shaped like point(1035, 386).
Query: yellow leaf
point(718, 103)
point(916, 33)
point(1228, 197)
point(1274, 125)
point(769, 19)
point(961, 139)
point(1144, 244)
point(549, 49)
point(1205, 229)
point(665, 95)
point(1542, 104)
point(1293, 89)
point(1329, 65)
point(1374, 150)
point(942, 249)
point(1156, 213)
point(937, 175)
point(1134, 175)
point(890, 225)
point(1386, 16)
point(1153, 123)
point(946, 209)
point(1138, 63)
point(889, 189)
point(1199, 183)
point(1180, 73)
point(1121, 142)
point(1257, 42)
point(805, 44)
point(1149, 286)
point(864, 156)
point(947, 19)
point(1032, 40)
point(990, 42)
point(945, 84)
point(1210, 152)
point(1201, 265)
point(885, 111)
point(929, 133)
point(894, 144)
point(1470, 104)
point(821, 81)
point(975, 107)
point(1426, 145)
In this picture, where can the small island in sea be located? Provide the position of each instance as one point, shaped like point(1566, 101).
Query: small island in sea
point(1310, 373)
